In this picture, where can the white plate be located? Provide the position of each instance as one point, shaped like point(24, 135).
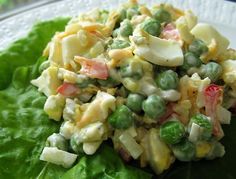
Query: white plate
point(221, 14)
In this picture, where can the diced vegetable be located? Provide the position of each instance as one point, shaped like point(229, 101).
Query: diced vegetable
point(191, 60)
point(152, 27)
point(172, 131)
point(68, 90)
point(132, 12)
point(122, 118)
point(162, 15)
point(154, 106)
point(92, 68)
point(109, 82)
point(213, 97)
point(75, 144)
point(126, 28)
point(205, 130)
point(134, 102)
point(167, 80)
point(198, 47)
point(58, 157)
point(184, 150)
point(131, 145)
point(119, 44)
point(133, 70)
point(211, 70)
point(58, 141)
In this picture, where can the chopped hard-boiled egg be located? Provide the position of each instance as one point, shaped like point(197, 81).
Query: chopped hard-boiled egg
point(159, 51)
point(207, 34)
point(58, 157)
point(48, 82)
point(131, 145)
point(54, 106)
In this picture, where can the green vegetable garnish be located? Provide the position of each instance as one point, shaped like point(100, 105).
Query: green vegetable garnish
point(132, 12)
point(57, 140)
point(122, 118)
point(75, 144)
point(134, 102)
point(126, 28)
point(154, 106)
point(191, 60)
point(132, 71)
point(198, 47)
point(172, 132)
point(184, 150)
point(119, 44)
point(109, 82)
point(151, 26)
point(162, 15)
point(167, 80)
point(211, 70)
point(204, 122)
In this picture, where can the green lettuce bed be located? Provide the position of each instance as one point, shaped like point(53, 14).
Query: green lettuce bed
point(24, 126)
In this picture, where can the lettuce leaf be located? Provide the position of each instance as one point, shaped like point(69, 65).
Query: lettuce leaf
point(105, 164)
point(24, 126)
point(27, 50)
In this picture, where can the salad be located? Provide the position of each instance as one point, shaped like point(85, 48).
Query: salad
point(155, 81)
point(152, 80)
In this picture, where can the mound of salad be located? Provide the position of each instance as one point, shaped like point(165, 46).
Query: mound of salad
point(153, 80)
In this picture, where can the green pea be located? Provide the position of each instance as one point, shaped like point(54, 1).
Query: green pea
point(109, 82)
point(198, 47)
point(132, 12)
point(57, 140)
point(191, 60)
point(211, 70)
point(75, 144)
point(184, 150)
point(121, 118)
point(103, 16)
point(154, 106)
point(172, 132)
point(119, 44)
point(132, 71)
point(134, 102)
point(126, 28)
point(123, 15)
point(162, 15)
point(151, 26)
point(167, 80)
point(115, 32)
point(204, 122)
